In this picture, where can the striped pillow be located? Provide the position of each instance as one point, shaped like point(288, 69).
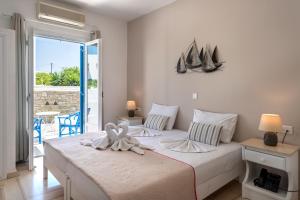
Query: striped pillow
point(157, 122)
point(205, 133)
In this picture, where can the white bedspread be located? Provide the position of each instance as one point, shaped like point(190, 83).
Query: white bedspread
point(222, 159)
point(207, 165)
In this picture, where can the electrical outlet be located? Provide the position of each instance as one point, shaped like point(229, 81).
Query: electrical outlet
point(195, 96)
point(290, 129)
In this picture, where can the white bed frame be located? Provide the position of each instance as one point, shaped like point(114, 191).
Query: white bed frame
point(204, 190)
point(62, 178)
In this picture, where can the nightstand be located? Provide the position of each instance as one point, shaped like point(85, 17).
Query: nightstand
point(281, 160)
point(131, 121)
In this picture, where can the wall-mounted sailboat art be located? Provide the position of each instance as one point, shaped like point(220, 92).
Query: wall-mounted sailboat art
point(195, 61)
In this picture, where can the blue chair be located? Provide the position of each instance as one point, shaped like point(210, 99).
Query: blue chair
point(70, 122)
point(37, 126)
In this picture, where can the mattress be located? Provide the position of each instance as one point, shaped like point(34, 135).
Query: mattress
point(207, 165)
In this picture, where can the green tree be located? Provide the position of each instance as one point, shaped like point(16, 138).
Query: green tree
point(43, 78)
point(70, 76)
point(56, 79)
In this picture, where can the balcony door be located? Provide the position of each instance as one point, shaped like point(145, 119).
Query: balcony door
point(93, 87)
point(90, 80)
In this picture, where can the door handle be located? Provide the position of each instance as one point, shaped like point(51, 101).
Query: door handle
point(28, 97)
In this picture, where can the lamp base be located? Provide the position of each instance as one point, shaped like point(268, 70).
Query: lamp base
point(270, 139)
point(130, 113)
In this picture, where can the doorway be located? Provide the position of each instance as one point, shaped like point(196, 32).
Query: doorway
point(56, 92)
point(67, 90)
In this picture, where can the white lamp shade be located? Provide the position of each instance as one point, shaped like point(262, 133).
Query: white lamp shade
point(131, 105)
point(270, 123)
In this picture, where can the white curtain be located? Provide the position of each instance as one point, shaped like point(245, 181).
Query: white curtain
point(22, 138)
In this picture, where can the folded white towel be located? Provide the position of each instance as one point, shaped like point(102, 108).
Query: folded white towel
point(117, 139)
point(187, 146)
point(101, 143)
point(86, 142)
point(128, 143)
point(112, 132)
point(143, 132)
point(97, 143)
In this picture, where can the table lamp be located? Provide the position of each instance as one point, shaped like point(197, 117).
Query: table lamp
point(131, 107)
point(271, 124)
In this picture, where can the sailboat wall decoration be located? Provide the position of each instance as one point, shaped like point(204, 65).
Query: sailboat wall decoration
point(193, 61)
point(193, 58)
point(181, 65)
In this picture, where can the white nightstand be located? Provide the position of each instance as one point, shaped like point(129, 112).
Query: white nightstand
point(281, 160)
point(131, 121)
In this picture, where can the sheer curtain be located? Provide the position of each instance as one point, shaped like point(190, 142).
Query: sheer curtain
point(22, 138)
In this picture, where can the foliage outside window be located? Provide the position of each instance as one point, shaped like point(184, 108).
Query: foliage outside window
point(92, 83)
point(69, 76)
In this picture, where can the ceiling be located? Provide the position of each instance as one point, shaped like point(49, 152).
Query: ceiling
point(121, 9)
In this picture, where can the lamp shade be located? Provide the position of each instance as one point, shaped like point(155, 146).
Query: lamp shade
point(131, 105)
point(270, 123)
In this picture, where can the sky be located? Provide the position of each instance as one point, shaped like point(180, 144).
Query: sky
point(60, 53)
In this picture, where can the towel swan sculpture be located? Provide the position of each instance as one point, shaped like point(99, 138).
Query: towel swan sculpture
point(117, 139)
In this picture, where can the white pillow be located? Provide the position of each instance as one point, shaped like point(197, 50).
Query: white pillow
point(227, 120)
point(169, 111)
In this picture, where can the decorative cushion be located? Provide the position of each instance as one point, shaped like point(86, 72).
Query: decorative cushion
point(227, 120)
point(170, 111)
point(205, 133)
point(156, 122)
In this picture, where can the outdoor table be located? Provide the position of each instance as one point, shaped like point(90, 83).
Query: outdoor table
point(46, 116)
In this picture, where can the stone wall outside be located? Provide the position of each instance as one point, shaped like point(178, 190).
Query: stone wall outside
point(66, 97)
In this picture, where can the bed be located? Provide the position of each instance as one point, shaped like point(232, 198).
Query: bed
point(212, 170)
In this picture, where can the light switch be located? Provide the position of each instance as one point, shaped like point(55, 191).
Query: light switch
point(195, 96)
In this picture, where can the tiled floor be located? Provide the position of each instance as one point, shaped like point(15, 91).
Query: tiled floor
point(231, 191)
point(31, 186)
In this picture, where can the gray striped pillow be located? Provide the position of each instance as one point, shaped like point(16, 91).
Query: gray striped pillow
point(157, 122)
point(205, 133)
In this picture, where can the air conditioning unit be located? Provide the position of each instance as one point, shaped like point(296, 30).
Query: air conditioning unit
point(54, 13)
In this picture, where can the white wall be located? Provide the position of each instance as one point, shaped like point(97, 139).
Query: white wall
point(258, 39)
point(114, 33)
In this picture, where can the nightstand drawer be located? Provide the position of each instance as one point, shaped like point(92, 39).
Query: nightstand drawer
point(265, 159)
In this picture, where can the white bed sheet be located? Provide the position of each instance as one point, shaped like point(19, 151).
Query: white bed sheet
point(207, 165)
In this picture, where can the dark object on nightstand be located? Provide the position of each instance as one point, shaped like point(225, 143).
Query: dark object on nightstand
point(130, 113)
point(270, 139)
point(286, 132)
point(260, 181)
point(268, 181)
